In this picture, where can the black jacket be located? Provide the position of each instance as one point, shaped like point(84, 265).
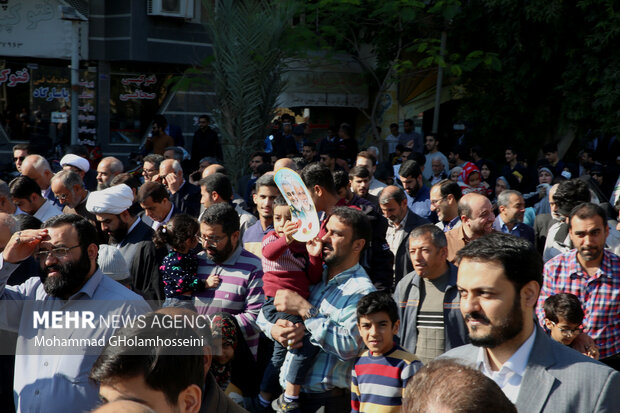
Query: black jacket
point(187, 200)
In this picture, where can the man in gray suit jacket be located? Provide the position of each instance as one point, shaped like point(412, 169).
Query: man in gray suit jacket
point(499, 280)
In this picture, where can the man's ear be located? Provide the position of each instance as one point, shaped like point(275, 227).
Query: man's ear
point(548, 323)
point(234, 238)
point(189, 399)
point(92, 251)
point(358, 245)
point(318, 190)
point(33, 197)
point(529, 294)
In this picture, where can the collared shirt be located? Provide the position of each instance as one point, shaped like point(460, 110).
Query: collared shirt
point(455, 222)
point(157, 224)
point(599, 295)
point(50, 380)
point(240, 291)
point(421, 203)
point(395, 234)
point(514, 231)
point(334, 329)
point(375, 186)
point(510, 376)
point(253, 238)
point(48, 210)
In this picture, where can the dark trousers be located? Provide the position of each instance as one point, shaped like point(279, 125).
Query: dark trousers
point(333, 401)
point(302, 360)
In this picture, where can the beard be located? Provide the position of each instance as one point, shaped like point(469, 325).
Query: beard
point(72, 276)
point(505, 330)
point(102, 185)
point(219, 256)
point(590, 253)
point(119, 233)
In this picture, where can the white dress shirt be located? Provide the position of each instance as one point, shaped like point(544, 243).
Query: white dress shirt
point(510, 376)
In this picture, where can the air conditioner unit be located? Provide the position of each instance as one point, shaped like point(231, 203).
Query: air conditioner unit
point(171, 8)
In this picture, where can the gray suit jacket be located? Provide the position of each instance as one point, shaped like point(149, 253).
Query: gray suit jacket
point(559, 379)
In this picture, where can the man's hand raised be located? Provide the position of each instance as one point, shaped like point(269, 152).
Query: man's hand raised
point(23, 244)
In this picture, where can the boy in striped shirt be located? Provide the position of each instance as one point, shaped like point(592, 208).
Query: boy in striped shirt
point(382, 371)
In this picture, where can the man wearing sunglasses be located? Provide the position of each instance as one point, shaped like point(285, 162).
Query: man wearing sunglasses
point(69, 283)
point(20, 151)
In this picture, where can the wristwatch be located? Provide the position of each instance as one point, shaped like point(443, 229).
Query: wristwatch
point(312, 312)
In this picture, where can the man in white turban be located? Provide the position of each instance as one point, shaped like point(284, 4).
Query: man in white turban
point(130, 235)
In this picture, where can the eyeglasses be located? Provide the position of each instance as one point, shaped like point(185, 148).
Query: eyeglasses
point(61, 197)
point(19, 158)
point(436, 201)
point(210, 241)
point(59, 252)
point(568, 332)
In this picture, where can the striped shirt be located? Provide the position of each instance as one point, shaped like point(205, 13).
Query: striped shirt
point(334, 329)
point(239, 293)
point(377, 382)
point(599, 295)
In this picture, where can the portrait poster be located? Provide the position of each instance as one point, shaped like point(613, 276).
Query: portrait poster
point(298, 198)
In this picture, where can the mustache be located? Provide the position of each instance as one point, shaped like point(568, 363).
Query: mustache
point(476, 316)
point(51, 268)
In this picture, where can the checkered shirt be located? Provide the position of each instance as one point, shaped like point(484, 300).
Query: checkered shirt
point(599, 295)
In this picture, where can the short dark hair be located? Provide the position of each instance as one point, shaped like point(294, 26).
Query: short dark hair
point(357, 220)
point(21, 147)
point(161, 368)
point(279, 201)
point(328, 152)
point(264, 156)
point(154, 190)
point(160, 121)
point(153, 158)
point(409, 169)
point(569, 194)
point(460, 150)
point(318, 174)
point(23, 187)
point(341, 179)
point(176, 232)
point(564, 305)
point(550, 147)
point(222, 214)
point(460, 388)
point(87, 234)
point(265, 180)
point(219, 183)
point(437, 235)
point(368, 155)
point(520, 260)
point(359, 172)
point(449, 187)
point(408, 121)
point(131, 181)
point(310, 145)
point(205, 117)
point(393, 125)
point(418, 157)
point(25, 221)
point(587, 210)
point(377, 302)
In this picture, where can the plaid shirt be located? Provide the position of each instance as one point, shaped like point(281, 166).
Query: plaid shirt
point(334, 330)
point(599, 295)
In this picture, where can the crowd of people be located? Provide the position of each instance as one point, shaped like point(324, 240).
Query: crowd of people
point(436, 283)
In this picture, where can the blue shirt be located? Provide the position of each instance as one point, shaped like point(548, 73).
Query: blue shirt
point(514, 231)
point(334, 330)
point(50, 379)
point(421, 203)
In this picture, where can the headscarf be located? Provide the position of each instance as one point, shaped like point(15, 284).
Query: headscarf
point(468, 169)
point(223, 328)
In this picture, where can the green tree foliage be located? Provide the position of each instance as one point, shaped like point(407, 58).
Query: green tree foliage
point(246, 67)
point(559, 75)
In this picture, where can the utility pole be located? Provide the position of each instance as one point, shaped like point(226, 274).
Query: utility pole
point(70, 14)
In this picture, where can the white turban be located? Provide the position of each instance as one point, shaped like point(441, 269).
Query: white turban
point(112, 200)
point(74, 160)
